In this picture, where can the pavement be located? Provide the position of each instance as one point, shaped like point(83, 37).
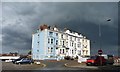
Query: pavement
point(75, 64)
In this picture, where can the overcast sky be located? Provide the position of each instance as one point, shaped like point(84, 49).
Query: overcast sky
point(20, 20)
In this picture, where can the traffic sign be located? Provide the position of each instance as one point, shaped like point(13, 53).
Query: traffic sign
point(100, 52)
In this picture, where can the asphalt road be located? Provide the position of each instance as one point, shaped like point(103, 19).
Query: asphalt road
point(50, 66)
point(57, 65)
point(11, 66)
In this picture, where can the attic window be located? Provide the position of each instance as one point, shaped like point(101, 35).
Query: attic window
point(50, 33)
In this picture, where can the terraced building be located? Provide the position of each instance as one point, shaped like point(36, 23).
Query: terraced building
point(51, 43)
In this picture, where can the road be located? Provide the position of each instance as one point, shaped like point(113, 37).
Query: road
point(56, 65)
point(50, 66)
point(11, 66)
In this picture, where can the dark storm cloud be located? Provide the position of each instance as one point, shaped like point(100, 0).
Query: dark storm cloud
point(15, 39)
point(21, 19)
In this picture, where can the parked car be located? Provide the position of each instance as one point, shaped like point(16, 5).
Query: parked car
point(96, 60)
point(14, 61)
point(82, 59)
point(109, 59)
point(25, 61)
point(10, 60)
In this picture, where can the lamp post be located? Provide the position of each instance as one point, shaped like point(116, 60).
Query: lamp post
point(108, 20)
point(100, 50)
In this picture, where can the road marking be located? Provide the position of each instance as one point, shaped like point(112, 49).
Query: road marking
point(66, 65)
point(44, 65)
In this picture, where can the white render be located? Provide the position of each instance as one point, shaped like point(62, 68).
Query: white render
point(52, 43)
point(74, 44)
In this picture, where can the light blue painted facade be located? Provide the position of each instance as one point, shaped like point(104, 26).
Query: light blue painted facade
point(51, 43)
point(44, 45)
point(37, 45)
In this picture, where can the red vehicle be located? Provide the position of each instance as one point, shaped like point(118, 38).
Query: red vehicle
point(96, 60)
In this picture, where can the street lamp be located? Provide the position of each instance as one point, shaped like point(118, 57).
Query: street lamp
point(100, 51)
point(108, 20)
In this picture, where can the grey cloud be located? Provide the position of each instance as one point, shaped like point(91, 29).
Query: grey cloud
point(21, 19)
point(15, 38)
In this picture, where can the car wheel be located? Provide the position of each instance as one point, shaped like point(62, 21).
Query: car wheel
point(15, 63)
point(19, 63)
point(88, 64)
point(31, 63)
point(111, 63)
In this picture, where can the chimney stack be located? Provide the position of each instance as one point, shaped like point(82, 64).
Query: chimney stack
point(44, 26)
